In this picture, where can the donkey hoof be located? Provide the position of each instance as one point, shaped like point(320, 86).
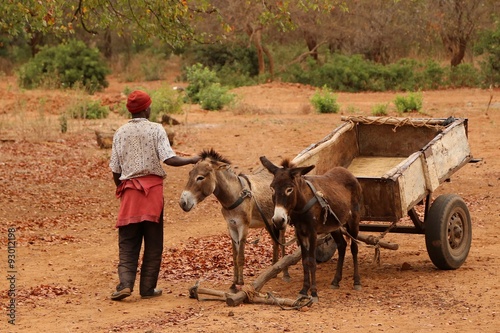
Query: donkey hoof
point(315, 299)
point(334, 286)
point(357, 287)
point(287, 278)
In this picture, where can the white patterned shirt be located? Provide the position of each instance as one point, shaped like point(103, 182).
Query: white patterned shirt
point(139, 149)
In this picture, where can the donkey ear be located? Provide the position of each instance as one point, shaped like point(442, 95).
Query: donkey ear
point(268, 165)
point(302, 170)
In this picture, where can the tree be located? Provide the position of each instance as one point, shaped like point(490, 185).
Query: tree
point(257, 19)
point(456, 22)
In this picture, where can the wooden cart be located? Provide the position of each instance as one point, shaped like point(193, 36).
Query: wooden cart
point(400, 162)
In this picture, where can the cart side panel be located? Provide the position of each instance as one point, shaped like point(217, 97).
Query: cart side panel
point(380, 200)
point(412, 182)
point(447, 153)
point(338, 150)
point(391, 141)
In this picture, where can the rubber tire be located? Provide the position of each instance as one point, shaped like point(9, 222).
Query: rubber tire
point(325, 251)
point(448, 251)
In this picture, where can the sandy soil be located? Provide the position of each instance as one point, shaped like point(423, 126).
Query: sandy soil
point(57, 201)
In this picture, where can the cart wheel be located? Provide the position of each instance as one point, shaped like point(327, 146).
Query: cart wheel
point(326, 250)
point(448, 231)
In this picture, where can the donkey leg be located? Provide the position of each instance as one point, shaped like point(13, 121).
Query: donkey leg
point(286, 274)
point(353, 229)
point(357, 279)
point(240, 261)
point(341, 248)
point(306, 259)
point(313, 265)
point(233, 288)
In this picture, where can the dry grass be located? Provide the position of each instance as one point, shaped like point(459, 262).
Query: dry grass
point(244, 108)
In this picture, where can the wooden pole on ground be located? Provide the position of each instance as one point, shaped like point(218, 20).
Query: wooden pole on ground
point(265, 276)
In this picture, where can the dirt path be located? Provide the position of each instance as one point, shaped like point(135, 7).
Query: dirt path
point(57, 199)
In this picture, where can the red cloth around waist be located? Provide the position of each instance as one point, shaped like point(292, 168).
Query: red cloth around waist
point(141, 199)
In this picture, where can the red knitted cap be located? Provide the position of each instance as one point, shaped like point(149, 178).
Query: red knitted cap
point(138, 101)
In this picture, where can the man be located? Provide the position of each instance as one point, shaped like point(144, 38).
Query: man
point(139, 148)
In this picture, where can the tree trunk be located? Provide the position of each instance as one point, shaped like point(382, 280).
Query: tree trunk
point(271, 62)
point(456, 47)
point(256, 37)
point(459, 54)
point(35, 42)
point(311, 45)
point(108, 50)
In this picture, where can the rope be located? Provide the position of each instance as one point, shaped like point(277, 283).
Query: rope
point(296, 305)
point(398, 122)
point(250, 292)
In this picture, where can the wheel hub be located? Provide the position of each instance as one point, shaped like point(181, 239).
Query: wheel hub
point(455, 231)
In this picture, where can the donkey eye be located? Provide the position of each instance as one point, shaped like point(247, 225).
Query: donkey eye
point(200, 178)
point(289, 190)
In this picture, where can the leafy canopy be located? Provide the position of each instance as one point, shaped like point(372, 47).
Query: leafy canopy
point(172, 21)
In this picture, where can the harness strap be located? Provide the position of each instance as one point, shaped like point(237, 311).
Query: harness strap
point(318, 197)
point(267, 225)
point(245, 193)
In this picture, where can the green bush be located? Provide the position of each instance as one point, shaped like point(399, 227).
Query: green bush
point(64, 66)
point(355, 74)
point(86, 109)
point(325, 101)
point(489, 45)
point(198, 78)
point(434, 76)
point(409, 103)
point(380, 109)
point(464, 75)
point(215, 97)
point(165, 101)
point(234, 65)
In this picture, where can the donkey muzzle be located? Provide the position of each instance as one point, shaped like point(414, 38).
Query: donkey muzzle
point(280, 218)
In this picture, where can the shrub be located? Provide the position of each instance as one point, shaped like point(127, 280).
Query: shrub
point(63, 66)
point(234, 65)
point(63, 123)
point(380, 109)
point(464, 75)
point(325, 101)
point(488, 45)
point(165, 101)
point(215, 97)
point(434, 76)
point(86, 109)
point(411, 102)
point(198, 77)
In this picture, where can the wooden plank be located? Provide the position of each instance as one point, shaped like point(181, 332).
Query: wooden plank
point(380, 200)
point(386, 140)
point(339, 148)
point(373, 166)
point(451, 151)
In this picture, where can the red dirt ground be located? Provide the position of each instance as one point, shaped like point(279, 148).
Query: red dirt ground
point(56, 191)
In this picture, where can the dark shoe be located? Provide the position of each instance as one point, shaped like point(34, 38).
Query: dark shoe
point(119, 295)
point(156, 293)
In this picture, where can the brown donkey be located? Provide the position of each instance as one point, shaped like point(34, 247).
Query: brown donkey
point(317, 204)
point(245, 200)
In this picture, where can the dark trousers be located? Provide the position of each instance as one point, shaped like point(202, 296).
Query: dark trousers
point(130, 239)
